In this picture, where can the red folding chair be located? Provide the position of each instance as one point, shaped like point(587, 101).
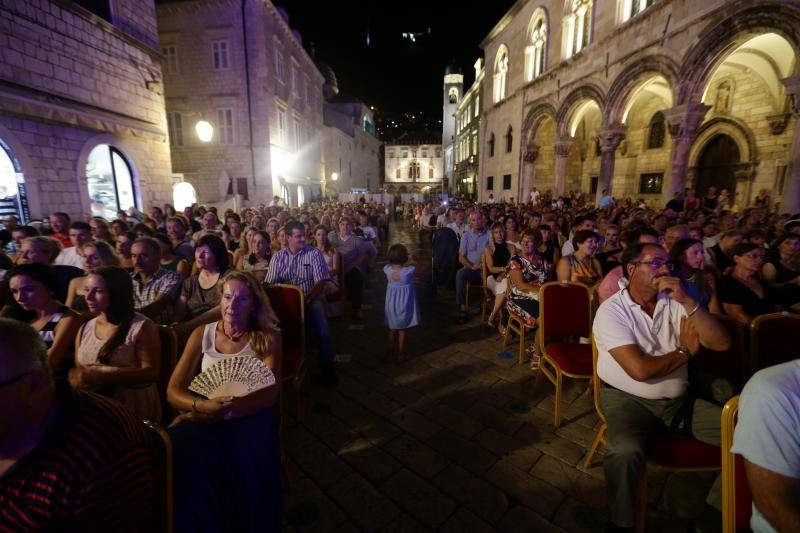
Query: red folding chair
point(772, 340)
point(163, 505)
point(564, 313)
point(736, 498)
point(289, 306)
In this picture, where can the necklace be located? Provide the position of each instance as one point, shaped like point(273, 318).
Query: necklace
point(231, 337)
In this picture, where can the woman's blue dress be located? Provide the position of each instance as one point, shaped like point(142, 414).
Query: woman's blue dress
point(401, 309)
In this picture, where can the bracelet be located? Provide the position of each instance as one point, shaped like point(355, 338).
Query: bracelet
point(194, 405)
point(693, 311)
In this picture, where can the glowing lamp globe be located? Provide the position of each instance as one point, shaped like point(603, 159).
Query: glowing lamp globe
point(205, 131)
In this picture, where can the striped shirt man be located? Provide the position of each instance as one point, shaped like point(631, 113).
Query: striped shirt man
point(95, 469)
point(305, 268)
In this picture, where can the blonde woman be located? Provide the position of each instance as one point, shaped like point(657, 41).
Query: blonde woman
point(244, 247)
point(95, 254)
point(227, 452)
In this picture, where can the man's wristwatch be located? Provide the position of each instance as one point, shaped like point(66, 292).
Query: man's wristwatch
point(683, 350)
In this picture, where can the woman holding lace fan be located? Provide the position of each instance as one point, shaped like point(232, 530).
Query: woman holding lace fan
point(227, 452)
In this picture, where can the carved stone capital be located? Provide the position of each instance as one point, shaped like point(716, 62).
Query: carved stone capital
point(778, 122)
point(793, 91)
point(611, 137)
point(531, 154)
point(684, 120)
point(562, 146)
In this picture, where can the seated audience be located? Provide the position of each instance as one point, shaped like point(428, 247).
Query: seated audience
point(34, 287)
point(124, 243)
point(69, 460)
point(79, 234)
point(720, 253)
point(581, 266)
point(260, 252)
point(182, 245)
point(610, 251)
point(686, 256)
point(741, 292)
point(59, 229)
point(356, 255)
point(610, 284)
point(470, 255)
point(95, 254)
point(117, 353)
point(767, 436)
point(645, 336)
point(44, 250)
point(227, 451)
point(780, 269)
point(527, 271)
point(496, 256)
point(169, 260)
point(154, 288)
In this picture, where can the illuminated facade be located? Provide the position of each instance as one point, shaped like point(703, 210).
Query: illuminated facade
point(242, 68)
point(414, 164)
point(467, 138)
point(645, 99)
point(453, 94)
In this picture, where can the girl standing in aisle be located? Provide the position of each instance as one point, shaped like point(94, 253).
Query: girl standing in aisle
point(401, 308)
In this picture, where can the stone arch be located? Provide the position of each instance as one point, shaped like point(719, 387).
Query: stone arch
point(573, 99)
point(736, 22)
point(631, 78)
point(539, 110)
point(31, 178)
point(123, 144)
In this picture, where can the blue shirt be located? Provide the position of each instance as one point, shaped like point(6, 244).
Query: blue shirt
point(305, 269)
point(768, 431)
point(473, 244)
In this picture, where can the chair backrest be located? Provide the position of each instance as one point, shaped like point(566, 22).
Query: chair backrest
point(773, 341)
point(162, 517)
point(289, 306)
point(564, 310)
point(596, 383)
point(731, 363)
point(169, 358)
point(736, 497)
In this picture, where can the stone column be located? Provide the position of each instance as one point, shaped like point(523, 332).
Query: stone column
point(609, 141)
point(683, 122)
point(562, 147)
point(791, 186)
point(528, 171)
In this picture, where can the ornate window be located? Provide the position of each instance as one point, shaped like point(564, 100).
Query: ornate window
point(536, 50)
point(577, 26)
point(453, 95)
point(500, 74)
point(657, 131)
point(509, 139)
point(491, 145)
point(413, 171)
point(631, 8)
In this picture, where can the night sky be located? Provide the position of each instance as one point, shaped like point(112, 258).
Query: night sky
point(392, 73)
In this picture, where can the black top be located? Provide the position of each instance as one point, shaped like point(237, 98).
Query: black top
point(732, 291)
point(607, 260)
point(783, 274)
point(500, 256)
point(721, 259)
point(548, 254)
point(710, 203)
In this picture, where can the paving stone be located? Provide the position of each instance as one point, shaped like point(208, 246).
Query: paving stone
point(379, 432)
point(404, 395)
point(531, 491)
point(522, 520)
point(551, 444)
point(421, 499)
point(460, 400)
point(309, 509)
point(579, 434)
point(319, 463)
point(503, 420)
point(367, 507)
point(372, 462)
point(403, 523)
point(452, 419)
point(583, 487)
point(414, 423)
point(479, 496)
point(468, 454)
point(522, 454)
point(576, 516)
point(463, 520)
point(420, 458)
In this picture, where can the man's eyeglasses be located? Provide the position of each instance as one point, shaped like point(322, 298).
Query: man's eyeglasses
point(655, 264)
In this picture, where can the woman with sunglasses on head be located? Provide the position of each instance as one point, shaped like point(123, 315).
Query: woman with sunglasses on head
point(688, 264)
point(742, 292)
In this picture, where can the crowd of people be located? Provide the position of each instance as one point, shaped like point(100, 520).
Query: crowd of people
point(83, 301)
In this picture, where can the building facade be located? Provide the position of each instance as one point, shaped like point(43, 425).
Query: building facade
point(452, 94)
point(82, 121)
point(414, 164)
point(350, 147)
point(646, 99)
point(239, 66)
point(466, 147)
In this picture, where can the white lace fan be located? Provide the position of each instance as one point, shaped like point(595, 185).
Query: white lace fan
point(233, 376)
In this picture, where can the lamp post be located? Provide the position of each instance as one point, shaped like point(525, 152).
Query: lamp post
point(204, 130)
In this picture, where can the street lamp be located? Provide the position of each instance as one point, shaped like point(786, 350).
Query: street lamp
point(335, 176)
point(204, 130)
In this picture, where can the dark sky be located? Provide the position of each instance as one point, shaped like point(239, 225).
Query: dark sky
point(392, 73)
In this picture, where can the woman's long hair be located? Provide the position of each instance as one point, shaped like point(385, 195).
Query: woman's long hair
point(263, 317)
point(252, 259)
point(120, 311)
point(684, 271)
point(39, 272)
point(218, 248)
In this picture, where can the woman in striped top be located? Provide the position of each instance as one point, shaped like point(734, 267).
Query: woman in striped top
point(34, 287)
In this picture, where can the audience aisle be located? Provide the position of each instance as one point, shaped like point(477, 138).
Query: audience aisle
point(458, 438)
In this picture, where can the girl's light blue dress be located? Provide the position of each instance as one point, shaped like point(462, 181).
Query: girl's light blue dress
point(401, 309)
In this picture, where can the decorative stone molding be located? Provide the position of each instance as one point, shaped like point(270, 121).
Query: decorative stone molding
point(562, 147)
point(778, 122)
point(684, 120)
point(531, 154)
point(611, 137)
point(793, 91)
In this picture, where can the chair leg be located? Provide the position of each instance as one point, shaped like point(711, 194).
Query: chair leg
point(641, 499)
point(587, 463)
point(505, 333)
point(557, 410)
point(522, 344)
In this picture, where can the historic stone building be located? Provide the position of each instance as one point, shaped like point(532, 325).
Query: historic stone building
point(239, 66)
point(350, 148)
point(467, 138)
point(644, 98)
point(414, 164)
point(452, 94)
point(82, 122)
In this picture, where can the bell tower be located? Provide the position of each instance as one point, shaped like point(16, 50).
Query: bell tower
point(453, 91)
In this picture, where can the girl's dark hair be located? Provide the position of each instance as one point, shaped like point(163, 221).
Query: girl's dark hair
point(676, 258)
point(41, 273)
point(218, 248)
point(251, 258)
point(741, 249)
point(511, 216)
point(120, 310)
point(397, 254)
point(328, 246)
point(163, 238)
point(584, 235)
point(535, 234)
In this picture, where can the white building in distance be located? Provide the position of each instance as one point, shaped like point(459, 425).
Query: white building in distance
point(414, 164)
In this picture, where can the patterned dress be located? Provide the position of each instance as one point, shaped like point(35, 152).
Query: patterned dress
point(522, 303)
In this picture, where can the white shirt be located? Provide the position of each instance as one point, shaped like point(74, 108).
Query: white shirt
point(535, 196)
point(70, 257)
point(568, 248)
point(619, 322)
point(458, 229)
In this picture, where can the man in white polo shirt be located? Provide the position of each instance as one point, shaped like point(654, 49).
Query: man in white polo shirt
point(645, 335)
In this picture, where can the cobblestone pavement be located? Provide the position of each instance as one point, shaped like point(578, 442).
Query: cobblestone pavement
point(459, 438)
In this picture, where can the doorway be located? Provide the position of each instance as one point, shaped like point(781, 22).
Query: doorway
point(717, 165)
